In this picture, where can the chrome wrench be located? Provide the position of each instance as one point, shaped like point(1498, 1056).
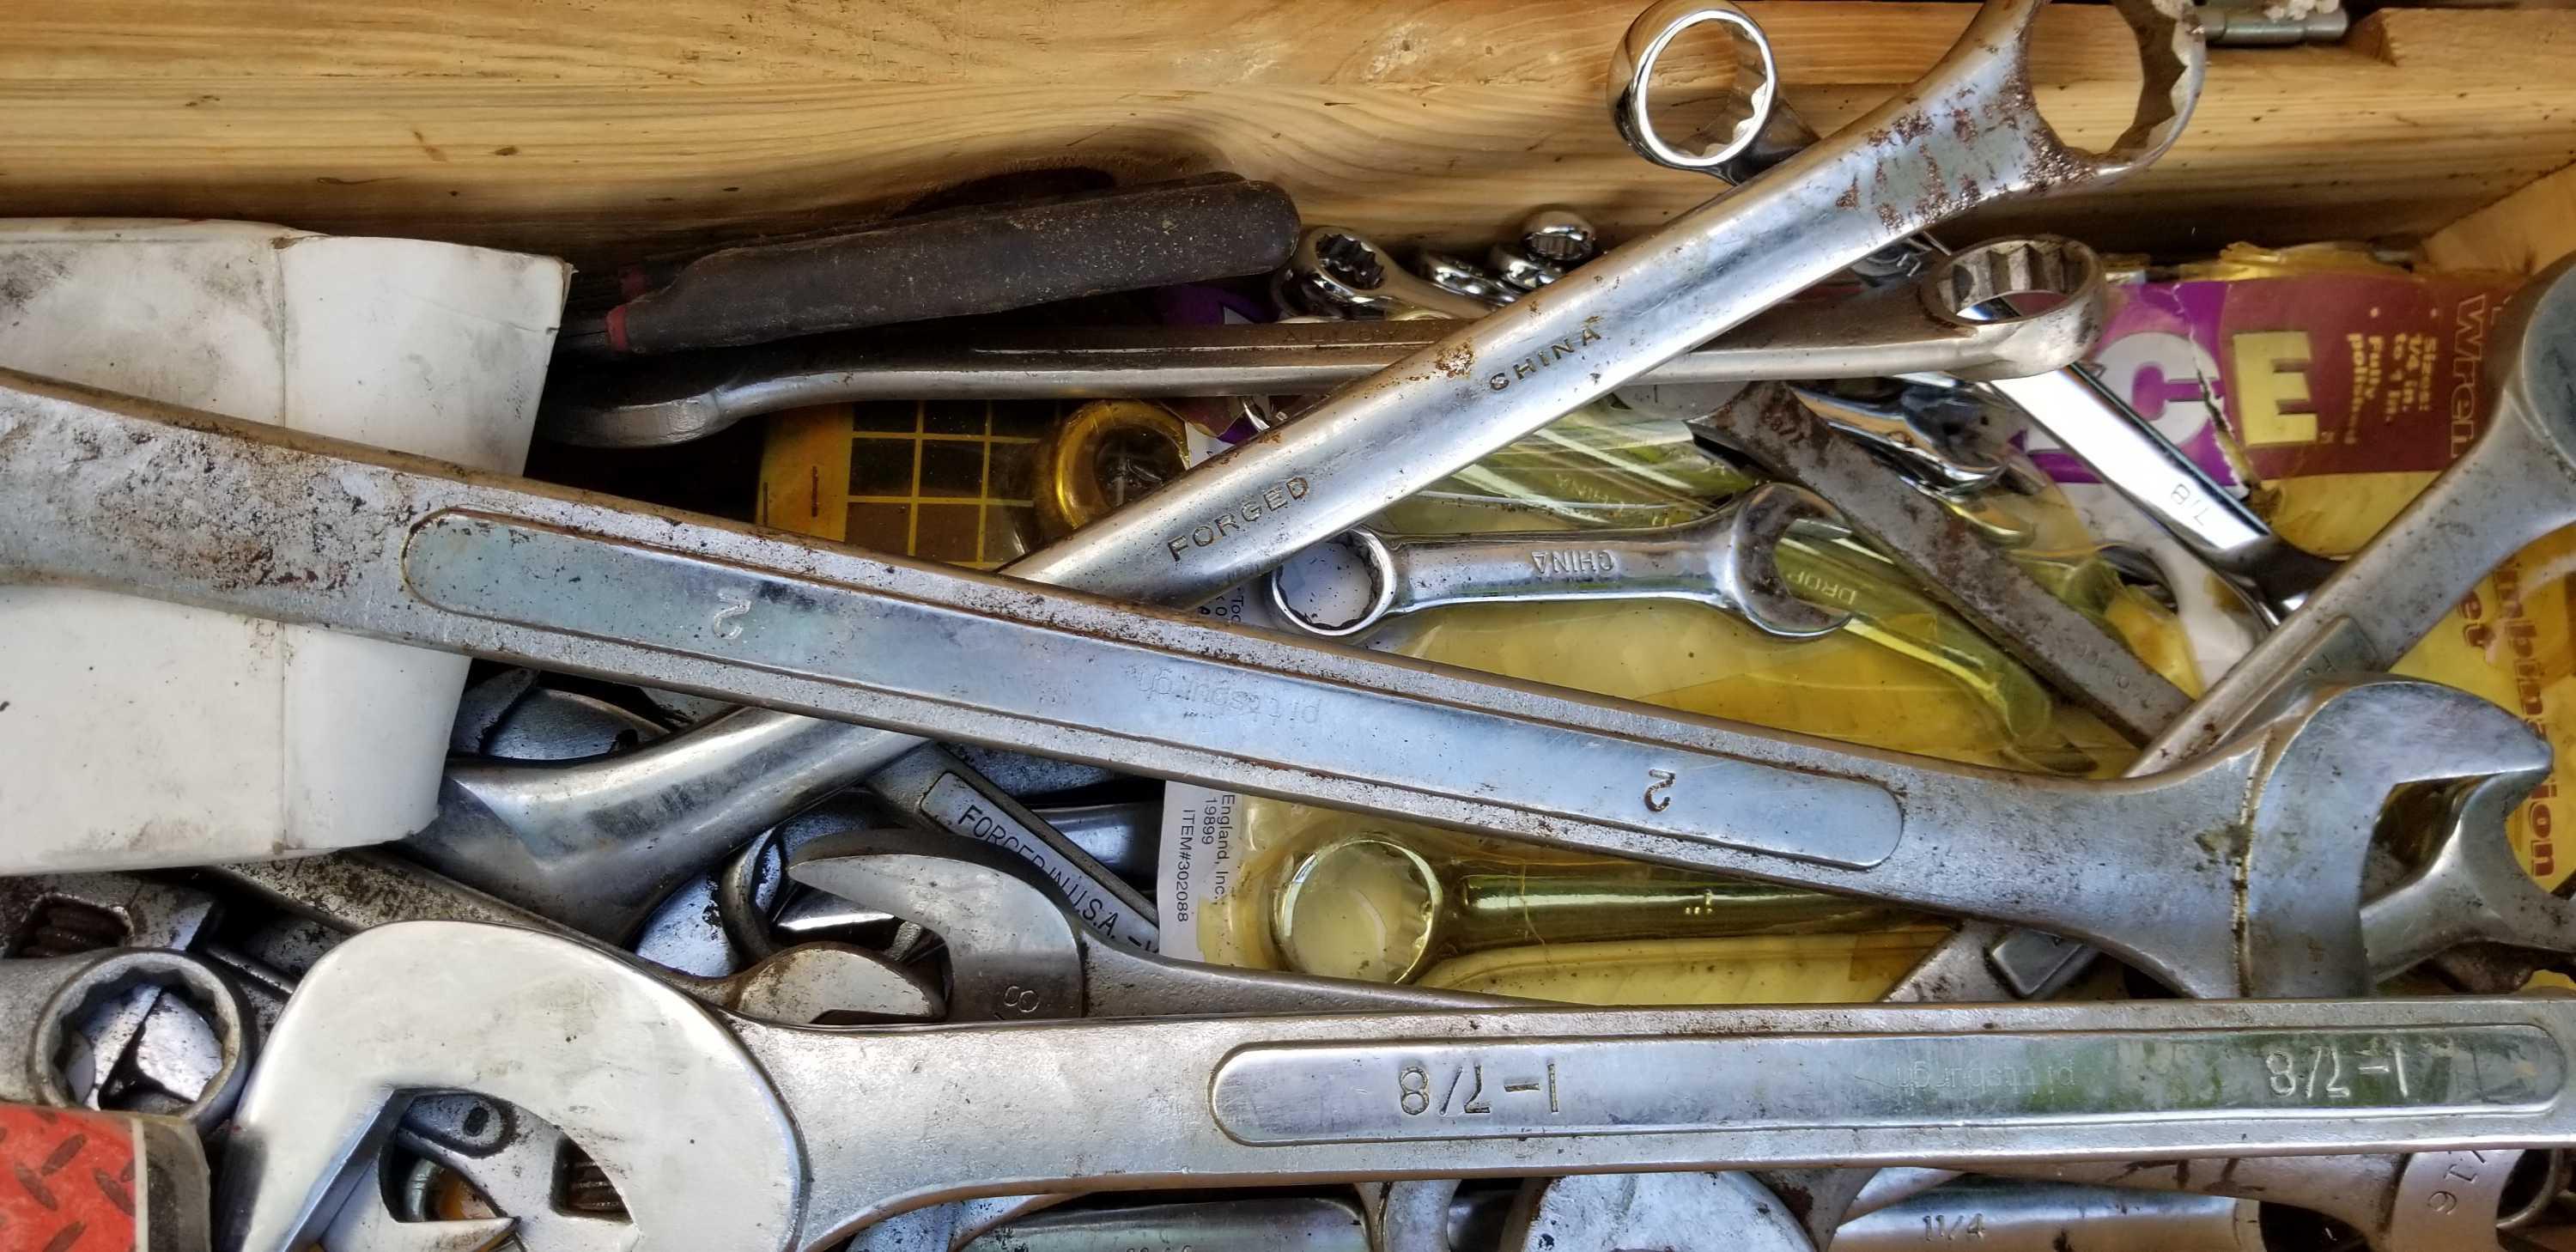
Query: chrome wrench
point(316, 531)
point(788, 1129)
point(2071, 405)
point(1724, 561)
point(2516, 484)
point(1969, 132)
point(659, 402)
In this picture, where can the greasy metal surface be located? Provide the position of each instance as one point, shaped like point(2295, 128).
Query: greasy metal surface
point(2078, 655)
point(665, 401)
point(794, 1137)
point(385, 547)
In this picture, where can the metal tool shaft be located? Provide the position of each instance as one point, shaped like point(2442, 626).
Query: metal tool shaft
point(793, 1124)
point(269, 522)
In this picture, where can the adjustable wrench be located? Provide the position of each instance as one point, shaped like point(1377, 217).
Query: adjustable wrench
point(1724, 560)
point(2073, 407)
point(2516, 484)
point(787, 1129)
point(317, 531)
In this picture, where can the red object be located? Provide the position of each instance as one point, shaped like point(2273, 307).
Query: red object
point(67, 1180)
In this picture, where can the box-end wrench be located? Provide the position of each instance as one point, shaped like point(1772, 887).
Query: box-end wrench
point(281, 525)
point(788, 1130)
point(2078, 655)
point(2514, 485)
point(661, 402)
point(44, 999)
point(2070, 404)
point(1724, 560)
point(1969, 132)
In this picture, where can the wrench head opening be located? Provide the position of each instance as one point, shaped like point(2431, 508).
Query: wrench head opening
point(614, 1057)
point(1746, 562)
point(61, 1057)
point(1744, 108)
point(1013, 954)
point(2173, 56)
point(2332, 754)
point(1977, 285)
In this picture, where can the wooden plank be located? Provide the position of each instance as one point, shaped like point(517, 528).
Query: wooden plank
point(590, 130)
point(2520, 233)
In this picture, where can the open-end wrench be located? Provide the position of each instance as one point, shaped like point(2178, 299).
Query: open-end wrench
point(723, 1132)
point(1776, 429)
point(1014, 956)
point(1968, 133)
point(358, 890)
point(2101, 429)
point(321, 532)
point(1724, 560)
point(655, 403)
point(2514, 485)
point(1891, 432)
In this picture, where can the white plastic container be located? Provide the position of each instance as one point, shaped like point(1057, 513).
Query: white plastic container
point(137, 734)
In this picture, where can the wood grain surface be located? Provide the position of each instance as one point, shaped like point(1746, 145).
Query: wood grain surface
point(596, 130)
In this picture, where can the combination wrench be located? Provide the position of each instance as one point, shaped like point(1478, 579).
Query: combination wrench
point(1723, 560)
point(323, 532)
point(1968, 133)
point(788, 1128)
point(659, 402)
point(1955, 565)
point(2071, 405)
point(2515, 484)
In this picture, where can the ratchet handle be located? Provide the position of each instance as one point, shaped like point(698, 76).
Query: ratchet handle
point(966, 261)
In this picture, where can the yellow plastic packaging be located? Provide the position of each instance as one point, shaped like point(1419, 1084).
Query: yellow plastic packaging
point(1881, 687)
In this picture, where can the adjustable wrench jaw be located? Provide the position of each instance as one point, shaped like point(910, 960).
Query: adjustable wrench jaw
point(426, 1006)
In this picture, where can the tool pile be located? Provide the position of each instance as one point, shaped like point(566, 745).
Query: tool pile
point(733, 931)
